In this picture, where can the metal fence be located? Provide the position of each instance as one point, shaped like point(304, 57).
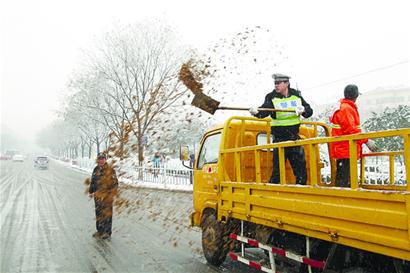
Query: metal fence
point(164, 175)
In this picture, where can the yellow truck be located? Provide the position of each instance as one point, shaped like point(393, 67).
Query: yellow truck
point(322, 227)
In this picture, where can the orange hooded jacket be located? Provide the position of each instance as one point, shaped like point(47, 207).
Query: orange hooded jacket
point(345, 121)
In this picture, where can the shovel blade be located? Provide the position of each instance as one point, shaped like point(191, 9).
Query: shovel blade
point(205, 103)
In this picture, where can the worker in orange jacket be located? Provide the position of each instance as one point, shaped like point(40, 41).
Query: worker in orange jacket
point(346, 121)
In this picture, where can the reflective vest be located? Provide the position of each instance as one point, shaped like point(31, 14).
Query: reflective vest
point(286, 118)
point(345, 121)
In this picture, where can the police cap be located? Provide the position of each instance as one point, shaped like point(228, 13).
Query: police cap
point(280, 77)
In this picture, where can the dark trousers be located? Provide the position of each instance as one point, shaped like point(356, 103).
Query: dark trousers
point(343, 172)
point(296, 157)
point(103, 215)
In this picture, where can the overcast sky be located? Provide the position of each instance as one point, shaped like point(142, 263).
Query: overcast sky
point(329, 44)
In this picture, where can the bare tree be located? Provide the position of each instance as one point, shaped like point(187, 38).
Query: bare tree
point(99, 114)
point(92, 126)
point(138, 66)
point(61, 137)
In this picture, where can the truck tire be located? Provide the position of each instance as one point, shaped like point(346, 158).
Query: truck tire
point(214, 239)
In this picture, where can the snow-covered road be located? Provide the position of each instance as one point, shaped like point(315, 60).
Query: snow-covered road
point(47, 221)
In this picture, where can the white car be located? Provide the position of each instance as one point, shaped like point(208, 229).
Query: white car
point(18, 158)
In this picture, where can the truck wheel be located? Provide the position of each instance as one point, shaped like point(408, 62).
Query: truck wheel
point(214, 240)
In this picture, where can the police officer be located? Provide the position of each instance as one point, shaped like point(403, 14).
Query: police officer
point(285, 125)
point(103, 186)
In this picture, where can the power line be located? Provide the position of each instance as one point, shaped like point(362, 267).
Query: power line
point(360, 74)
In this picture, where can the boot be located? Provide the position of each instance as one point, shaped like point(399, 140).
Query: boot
point(97, 234)
point(105, 236)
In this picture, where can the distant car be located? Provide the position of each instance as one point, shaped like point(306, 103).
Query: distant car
point(5, 157)
point(10, 153)
point(18, 158)
point(41, 162)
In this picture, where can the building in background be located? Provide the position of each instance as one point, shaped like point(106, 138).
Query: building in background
point(379, 99)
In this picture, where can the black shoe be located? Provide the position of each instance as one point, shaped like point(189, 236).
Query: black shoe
point(273, 181)
point(97, 234)
point(105, 236)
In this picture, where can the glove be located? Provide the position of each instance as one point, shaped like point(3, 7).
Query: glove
point(299, 110)
point(253, 111)
point(372, 145)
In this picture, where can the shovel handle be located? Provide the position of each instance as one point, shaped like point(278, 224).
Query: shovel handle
point(259, 109)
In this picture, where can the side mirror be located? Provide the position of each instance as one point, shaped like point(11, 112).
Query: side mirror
point(184, 153)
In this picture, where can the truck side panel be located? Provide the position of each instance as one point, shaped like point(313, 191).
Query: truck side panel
point(374, 221)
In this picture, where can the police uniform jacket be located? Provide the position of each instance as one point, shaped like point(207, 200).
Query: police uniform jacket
point(285, 131)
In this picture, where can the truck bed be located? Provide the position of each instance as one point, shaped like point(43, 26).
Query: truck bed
point(373, 220)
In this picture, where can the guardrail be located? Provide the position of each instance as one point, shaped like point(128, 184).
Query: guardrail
point(164, 175)
point(387, 172)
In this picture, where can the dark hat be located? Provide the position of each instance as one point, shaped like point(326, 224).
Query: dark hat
point(280, 77)
point(101, 155)
point(351, 91)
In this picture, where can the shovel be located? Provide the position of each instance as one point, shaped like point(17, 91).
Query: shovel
point(210, 105)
